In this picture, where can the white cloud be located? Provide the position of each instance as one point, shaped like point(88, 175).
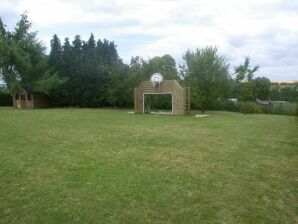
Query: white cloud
point(266, 30)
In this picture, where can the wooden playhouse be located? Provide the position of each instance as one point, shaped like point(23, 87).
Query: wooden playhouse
point(27, 98)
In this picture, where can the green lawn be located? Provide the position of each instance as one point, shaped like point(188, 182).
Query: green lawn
point(108, 166)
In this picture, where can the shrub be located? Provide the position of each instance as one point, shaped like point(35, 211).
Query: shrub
point(279, 108)
point(5, 99)
point(231, 106)
point(216, 105)
point(266, 109)
point(249, 107)
point(252, 107)
point(223, 105)
point(284, 108)
point(235, 106)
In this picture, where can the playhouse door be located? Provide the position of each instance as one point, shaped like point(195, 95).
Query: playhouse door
point(23, 101)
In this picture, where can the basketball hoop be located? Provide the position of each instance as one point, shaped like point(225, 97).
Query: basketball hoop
point(156, 79)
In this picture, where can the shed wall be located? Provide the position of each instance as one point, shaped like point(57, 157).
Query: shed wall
point(40, 100)
point(22, 101)
point(167, 86)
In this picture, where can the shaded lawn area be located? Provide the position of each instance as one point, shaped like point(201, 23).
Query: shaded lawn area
point(108, 166)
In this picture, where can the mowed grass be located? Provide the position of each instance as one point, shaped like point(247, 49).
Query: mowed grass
point(108, 166)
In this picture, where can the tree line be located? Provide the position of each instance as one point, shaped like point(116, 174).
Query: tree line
point(90, 73)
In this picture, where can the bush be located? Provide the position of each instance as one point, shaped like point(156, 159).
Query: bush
point(284, 108)
point(216, 105)
point(223, 105)
point(266, 109)
point(231, 106)
point(279, 108)
point(5, 99)
point(249, 107)
point(162, 101)
point(252, 107)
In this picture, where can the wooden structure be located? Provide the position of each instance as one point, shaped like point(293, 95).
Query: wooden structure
point(27, 98)
point(180, 95)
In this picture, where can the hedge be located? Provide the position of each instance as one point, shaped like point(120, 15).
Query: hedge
point(5, 99)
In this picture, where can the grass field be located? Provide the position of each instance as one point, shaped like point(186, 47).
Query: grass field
point(108, 166)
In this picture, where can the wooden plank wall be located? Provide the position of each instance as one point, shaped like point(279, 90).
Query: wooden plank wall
point(24, 103)
point(167, 86)
point(40, 100)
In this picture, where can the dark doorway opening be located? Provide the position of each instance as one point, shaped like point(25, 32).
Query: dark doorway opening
point(158, 103)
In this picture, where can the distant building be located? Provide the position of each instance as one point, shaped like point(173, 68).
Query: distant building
point(233, 100)
point(284, 81)
point(262, 102)
point(270, 102)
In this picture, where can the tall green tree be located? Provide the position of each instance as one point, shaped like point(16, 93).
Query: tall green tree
point(55, 58)
point(206, 72)
point(87, 65)
point(90, 58)
point(286, 92)
point(244, 72)
point(66, 58)
point(119, 88)
point(262, 85)
point(164, 65)
point(289, 93)
point(247, 91)
point(245, 86)
point(77, 55)
point(275, 92)
point(22, 55)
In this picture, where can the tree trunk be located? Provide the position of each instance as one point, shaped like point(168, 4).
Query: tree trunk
point(14, 100)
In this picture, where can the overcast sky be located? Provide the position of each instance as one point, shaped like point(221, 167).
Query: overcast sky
point(265, 30)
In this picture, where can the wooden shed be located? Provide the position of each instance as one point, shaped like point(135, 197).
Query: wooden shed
point(180, 95)
point(27, 98)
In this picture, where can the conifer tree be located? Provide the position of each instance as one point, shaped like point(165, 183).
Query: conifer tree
point(55, 59)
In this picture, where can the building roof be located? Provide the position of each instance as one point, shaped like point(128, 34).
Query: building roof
point(28, 88)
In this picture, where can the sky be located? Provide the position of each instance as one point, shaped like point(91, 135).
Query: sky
point(264, 30)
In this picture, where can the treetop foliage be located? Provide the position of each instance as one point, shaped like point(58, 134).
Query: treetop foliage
point(207, 74)
point(22, 55)
point(90, 73)
point(244, 72)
